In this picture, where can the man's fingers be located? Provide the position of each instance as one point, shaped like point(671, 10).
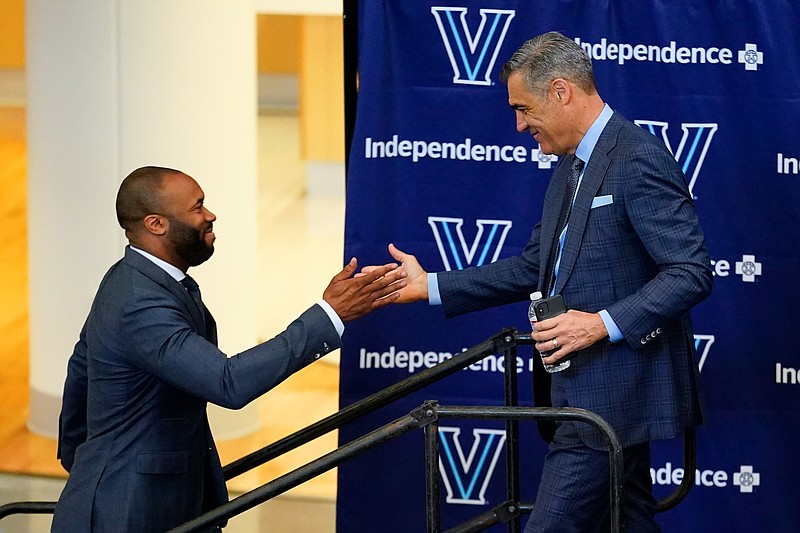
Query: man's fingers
point(397, 253)
point(385, 300)
point(347, 271)
point(394, 286)
point(377, 273)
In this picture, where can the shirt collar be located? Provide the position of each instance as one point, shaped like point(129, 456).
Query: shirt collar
point(587, 144)
point(172, 270)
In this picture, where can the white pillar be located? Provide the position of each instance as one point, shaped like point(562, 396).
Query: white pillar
point(114, 85)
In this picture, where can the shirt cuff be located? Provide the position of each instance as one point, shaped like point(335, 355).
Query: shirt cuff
point(614, 334)
point(337, 322)
point(434, 298)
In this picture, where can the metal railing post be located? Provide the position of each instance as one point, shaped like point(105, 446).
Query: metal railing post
point(616, 469)
point(432, 511)
point(511, 397)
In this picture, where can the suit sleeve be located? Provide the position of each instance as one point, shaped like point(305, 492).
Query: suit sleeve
point(662, 214)
point(72, 421)
point(502, 282)
point(163, 343)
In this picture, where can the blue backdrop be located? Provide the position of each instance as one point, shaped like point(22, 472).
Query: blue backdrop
point(437, 167)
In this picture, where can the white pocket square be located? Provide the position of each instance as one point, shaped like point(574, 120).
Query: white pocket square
point(599, 201)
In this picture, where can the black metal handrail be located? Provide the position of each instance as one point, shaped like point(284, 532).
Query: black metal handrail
point(425, 416)
point(689, 451)
point(500, 342)
point(506, 342)
point(415, 419)
point(27, 508)
point(514, 508)
point(689, 465)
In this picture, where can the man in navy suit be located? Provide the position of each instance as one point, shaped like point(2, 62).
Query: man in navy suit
point(630, 264)
point(133, 432)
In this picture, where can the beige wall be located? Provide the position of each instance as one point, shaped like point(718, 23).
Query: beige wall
point(307, 46)
point(278, 39)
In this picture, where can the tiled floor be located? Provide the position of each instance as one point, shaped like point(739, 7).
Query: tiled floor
point(310, 232)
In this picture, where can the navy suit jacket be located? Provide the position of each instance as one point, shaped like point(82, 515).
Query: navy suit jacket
point(633, 247)
point(133, 433)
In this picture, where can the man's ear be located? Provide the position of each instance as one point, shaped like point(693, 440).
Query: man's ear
point(562, 89)
point(156, 224)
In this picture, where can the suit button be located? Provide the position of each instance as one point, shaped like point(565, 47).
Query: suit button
point(316, 356)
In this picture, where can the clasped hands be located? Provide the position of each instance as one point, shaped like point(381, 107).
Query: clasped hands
point(573, 330)
point(353, 296)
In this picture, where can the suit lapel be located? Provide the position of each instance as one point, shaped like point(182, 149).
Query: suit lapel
point(592, 179)
point(159, 276)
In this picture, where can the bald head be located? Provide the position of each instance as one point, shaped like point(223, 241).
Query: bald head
point(140, 195)
point(162, 211)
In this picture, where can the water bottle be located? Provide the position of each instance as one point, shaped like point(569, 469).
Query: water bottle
point(536, 297)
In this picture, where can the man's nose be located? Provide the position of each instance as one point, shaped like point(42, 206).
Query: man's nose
point(521, 124)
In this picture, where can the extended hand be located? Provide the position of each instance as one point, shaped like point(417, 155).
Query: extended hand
point(417, 281)
point(573, 331)
point(354, 297)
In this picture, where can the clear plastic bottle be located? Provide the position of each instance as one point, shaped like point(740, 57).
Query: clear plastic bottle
point(558, 367)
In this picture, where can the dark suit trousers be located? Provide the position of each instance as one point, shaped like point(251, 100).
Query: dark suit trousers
point(574, 491)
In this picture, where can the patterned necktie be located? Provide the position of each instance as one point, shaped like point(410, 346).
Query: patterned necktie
point(563, 218)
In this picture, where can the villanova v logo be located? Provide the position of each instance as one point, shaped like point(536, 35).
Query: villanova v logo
point(456, 254)
point(472, 56)
point(702, 345)
point(692, 149)
point(466, 478)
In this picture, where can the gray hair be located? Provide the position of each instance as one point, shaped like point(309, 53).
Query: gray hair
point(549, 56)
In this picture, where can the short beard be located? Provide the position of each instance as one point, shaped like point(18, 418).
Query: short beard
point(189, 243)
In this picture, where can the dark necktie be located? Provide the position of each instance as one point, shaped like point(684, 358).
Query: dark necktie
point(194, 291)
point(541, 378)
point(563, 219)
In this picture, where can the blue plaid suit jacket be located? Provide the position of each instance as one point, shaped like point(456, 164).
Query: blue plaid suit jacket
point(133, 432)
point(635, 248)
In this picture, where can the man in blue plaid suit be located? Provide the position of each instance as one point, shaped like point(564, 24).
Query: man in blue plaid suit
point(630, 264)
